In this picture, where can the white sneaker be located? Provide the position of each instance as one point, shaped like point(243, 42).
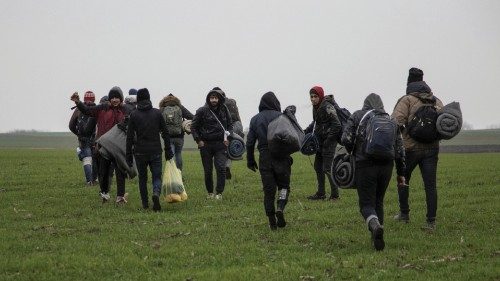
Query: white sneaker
point(210, 196)
point(105, 197)
point(122, 199)
point(218, 196)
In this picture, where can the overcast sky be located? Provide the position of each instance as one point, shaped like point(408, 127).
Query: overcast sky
point(50, 49)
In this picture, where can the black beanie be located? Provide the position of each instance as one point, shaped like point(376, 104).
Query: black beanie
point(142, 94)
point(415, 75)
point(115, 92)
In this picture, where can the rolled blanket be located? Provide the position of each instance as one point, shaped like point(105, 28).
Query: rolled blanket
point(236, 147)
point(113, 147)
point(449, 121)
point(310, 145)
point(343, 169)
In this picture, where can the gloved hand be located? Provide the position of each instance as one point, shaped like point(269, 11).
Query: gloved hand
point(130, 161)
point(252, 165)
point(168, 153)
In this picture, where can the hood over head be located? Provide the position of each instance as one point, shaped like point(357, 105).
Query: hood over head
point(169, 100)
point(269, 101)
point(219, 94)
point(318, 91)
point(144, 105)
point(373, 101)
point(418, 87)
point(115, 92)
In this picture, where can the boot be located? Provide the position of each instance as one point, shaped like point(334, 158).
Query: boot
point(377, 234)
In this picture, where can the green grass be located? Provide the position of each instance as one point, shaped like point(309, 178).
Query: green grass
point(54, 228)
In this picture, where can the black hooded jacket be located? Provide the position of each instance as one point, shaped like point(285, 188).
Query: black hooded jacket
point(269, 109)
point(326, 123)
point(146, 123)
point(205, 126)
point(353, 141)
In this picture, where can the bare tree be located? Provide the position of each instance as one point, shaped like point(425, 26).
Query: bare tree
point(467, 126)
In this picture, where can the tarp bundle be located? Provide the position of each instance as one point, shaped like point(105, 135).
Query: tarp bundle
point(343, 171)
point(284, 134)
point(236, 147)
point(449, 121)
point(113, 147)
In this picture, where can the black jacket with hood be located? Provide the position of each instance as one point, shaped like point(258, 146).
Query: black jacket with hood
point(327, 123)
point(269, 109)
point(145, 124)
point(351, 141)
point(205, 126)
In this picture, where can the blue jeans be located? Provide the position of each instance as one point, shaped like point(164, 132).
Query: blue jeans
point(155, 166)
point(427, 161)
point(86, 158)
point(176, 144)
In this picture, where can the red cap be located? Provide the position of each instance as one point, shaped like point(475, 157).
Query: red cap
point(89, 97)
point(318, 91)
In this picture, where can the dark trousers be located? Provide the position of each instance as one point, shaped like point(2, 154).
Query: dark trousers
point(104, 177)
point(275, 176)
point(155, 166)
point(323, 166)
point(372, 180)
point(176, 145)
point(427, 162)
point(214, 153)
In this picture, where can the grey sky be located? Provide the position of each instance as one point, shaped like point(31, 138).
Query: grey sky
point(352, 48)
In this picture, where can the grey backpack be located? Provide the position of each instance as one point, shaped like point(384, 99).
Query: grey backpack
point(173, 118)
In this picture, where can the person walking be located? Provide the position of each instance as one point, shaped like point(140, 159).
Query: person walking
point(420, 151)
point(274, 172)
point(84, 127)
point(211, 126)
point(326, 127)
point(143, 143)
point(174, 114)
point(374, 163)
point(108, 114)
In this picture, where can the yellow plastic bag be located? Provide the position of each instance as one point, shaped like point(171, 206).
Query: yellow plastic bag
point(172, 183)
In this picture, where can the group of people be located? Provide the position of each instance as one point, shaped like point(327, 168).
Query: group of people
point(212, 125)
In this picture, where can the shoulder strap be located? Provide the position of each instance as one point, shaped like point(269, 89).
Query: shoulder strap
point(362, 119)
point(218, 119)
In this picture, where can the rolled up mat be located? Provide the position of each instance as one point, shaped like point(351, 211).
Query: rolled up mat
point(236, 147)
point(310, 145)
point(343, 169)
point(449, 121)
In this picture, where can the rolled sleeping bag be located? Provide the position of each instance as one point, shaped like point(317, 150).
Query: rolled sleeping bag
point(310, 145)
point(343, 171)
point(449, 121)
point(236, 147)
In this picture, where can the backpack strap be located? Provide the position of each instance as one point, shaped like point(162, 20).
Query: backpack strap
point(224, 129)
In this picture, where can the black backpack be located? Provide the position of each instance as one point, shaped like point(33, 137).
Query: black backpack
point(379, 135)
point(343, 115)
point(422, 127)
point(85, 125)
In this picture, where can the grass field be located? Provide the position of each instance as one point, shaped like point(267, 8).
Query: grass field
point(54, 228)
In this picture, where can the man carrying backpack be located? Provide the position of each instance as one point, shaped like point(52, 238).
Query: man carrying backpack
point(108, 114)
point(83, 126)
point(274, 172)
point(210, 128)
point(174, 114)
point(375, 140)
point(416, 114)
point(326, 127)
point(145, 125)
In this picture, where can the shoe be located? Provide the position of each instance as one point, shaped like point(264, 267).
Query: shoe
point(228, 173)
point(210, 196)
point(281, 219)
point(218, 196)
point(89, 184)
point(316, 196)
point(272, 222)
point(402, 217)
point(333, 199)
point(377, 234)
point(429, 226)
point(104, 196)
point(156, 203)
point(122, 199)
